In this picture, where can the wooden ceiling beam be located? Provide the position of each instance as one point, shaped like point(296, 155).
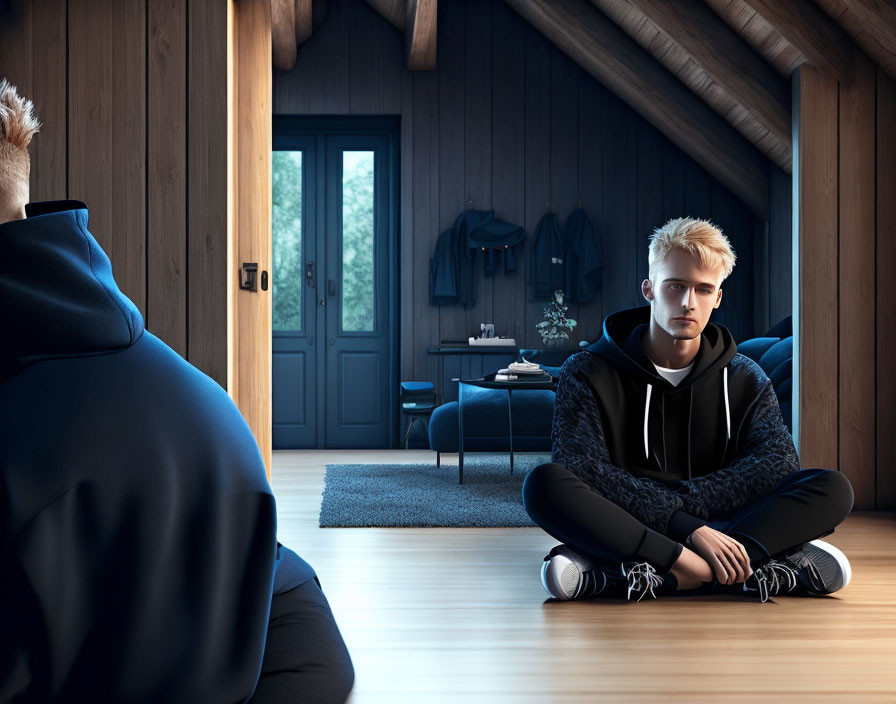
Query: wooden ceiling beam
point(812, 32)
point(396, 11)
point(420, 34)
point(728, 60)
point(304, 14)
point(614, 59)
point(872, 24)
point(283, 34)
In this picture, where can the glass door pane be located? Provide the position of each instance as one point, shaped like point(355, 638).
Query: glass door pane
point(287, 271)
point(358, 272)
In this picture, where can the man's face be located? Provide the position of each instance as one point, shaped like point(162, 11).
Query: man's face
point(683, 295)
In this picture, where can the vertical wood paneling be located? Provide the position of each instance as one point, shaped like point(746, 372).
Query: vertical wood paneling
point(564, 192)
point(538, 156)
point(107, 131)
point(451, 149)
point(620, 203)
point(166, 305)
point(886, 290)
point(33, 58)
point(673, 181)
point(406, 247)
point(780, 247)
point(856, 277)
point(477, 143)
point(365, 96)
point(250, 336)
point(592, 125)
point(761, 283)
point(426, 193)
point(508, 148)
point(650, 198)
point(723, 215)
point(208, 225)
point(817, 185)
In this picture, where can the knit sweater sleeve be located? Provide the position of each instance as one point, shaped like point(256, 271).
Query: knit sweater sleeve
point(578, 441)
point(768, 455)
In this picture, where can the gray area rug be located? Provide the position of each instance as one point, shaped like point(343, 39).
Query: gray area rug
point(405, 495)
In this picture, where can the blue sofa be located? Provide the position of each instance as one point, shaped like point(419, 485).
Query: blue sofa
point(485, 410)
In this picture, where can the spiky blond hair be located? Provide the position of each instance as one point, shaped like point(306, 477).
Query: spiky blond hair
point(698, 237)
point(17, 126)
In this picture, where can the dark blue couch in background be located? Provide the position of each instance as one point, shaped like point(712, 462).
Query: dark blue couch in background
point(485, 410)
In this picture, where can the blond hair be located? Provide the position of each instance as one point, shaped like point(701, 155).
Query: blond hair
point(701, 238)
point(17, 126)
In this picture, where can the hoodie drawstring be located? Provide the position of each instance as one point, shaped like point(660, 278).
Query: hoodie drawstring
point(727, 409)
point(646, 416)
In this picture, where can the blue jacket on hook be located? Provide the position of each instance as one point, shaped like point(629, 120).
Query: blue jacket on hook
point(582, 258)
point(546, 270)
point(138, 547)
point(451, 275)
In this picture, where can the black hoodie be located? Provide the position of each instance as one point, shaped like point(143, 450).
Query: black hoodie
point(138, 551)
point(673, 456)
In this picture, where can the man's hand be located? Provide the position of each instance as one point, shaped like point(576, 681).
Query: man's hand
point(727, 557)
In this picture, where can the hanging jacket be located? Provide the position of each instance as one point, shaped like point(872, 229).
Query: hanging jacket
point(452, 278)
point(675, 457)
point(546, 272)
point(138, 550)
point(584, 265)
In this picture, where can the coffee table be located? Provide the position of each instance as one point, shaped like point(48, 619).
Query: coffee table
point(488, 382)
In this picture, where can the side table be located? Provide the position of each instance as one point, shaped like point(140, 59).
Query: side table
point(541, 382)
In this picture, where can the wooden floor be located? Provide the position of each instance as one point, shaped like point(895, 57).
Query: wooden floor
point(459, 615)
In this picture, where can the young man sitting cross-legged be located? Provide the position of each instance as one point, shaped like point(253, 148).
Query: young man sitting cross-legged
point(672, 467)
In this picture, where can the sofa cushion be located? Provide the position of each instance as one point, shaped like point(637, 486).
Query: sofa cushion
point(756, 347)
point(776, 354)
point(486, 424)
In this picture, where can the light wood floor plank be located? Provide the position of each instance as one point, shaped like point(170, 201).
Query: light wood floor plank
point(459, 615)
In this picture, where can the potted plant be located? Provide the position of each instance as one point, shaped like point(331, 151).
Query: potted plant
point(553, 329)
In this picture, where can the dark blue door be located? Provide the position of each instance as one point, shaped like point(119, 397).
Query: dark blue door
point(334, 286)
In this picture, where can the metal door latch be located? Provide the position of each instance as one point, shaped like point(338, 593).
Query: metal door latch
point(248, 281)
point(247, 276)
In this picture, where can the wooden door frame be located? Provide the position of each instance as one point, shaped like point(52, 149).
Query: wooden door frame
point(249, 145)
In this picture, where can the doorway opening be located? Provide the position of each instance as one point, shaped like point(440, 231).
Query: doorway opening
point(335, 281)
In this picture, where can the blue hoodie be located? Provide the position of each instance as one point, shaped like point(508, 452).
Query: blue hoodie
point(138, 549)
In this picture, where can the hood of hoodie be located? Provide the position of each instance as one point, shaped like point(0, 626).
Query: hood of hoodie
point(658, 429)
point(58, 297)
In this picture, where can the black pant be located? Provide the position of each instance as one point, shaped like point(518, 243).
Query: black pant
point(305, 658)
point(805, 505)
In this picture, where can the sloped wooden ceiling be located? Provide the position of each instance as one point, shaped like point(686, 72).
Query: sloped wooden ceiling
point(696, 45)
point(712, 75)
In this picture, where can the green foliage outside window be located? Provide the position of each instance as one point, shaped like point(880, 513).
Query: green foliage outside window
point(357, 241)
point(287, 234)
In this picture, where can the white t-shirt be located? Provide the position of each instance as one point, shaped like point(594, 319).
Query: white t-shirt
point(674, 376)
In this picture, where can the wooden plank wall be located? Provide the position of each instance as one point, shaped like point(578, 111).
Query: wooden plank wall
point(845, 184)
point(508, 122)
point(132, 97)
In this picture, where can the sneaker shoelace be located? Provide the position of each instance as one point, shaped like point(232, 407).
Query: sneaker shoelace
point(772, 577)
point(642, 578)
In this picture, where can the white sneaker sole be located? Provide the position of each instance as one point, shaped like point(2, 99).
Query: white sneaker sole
point(560, 577)
point(842, 562)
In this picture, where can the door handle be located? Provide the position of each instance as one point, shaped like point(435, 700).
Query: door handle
point(309, 274)
point(331, 287)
